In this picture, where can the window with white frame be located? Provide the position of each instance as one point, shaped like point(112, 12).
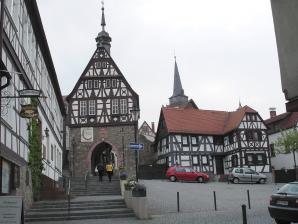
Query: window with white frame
point(52, 153)
point(91, 107)
point(89, 84)
point(115, 106)
point(204, 160)
point(95, 84)
point(114, 83)
point(123, 106)
point(83, 108)
point(195, 160)
point(108, 83)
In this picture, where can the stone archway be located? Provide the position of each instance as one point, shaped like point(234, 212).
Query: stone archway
point(101, 152)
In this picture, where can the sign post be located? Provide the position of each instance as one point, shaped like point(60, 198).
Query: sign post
point(137, 147)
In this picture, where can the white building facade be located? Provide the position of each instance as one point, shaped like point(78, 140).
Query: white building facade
point(277, 124)
point(26, 57)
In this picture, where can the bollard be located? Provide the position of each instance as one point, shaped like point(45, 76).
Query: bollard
point(244, 218)
point(248, 199)
point(214, 197)
point(251, 179)
point(178, 202)
point(68, 206)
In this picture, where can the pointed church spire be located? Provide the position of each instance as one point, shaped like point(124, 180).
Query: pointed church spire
point(103, 21)
point(103, 39)
point(178, 98)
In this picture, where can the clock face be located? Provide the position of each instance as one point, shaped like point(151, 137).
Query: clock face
point(86, 134)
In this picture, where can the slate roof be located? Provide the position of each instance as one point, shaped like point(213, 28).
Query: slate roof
point(197, 121)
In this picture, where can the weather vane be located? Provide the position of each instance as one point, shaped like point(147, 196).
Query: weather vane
point(175, 54)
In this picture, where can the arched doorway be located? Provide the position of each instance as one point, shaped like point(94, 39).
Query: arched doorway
point(102, 154)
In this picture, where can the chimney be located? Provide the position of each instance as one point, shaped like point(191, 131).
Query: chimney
point(272, 112)
point(153, 127)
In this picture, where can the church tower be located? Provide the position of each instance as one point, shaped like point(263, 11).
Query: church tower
point(178, 98)
point(100, 119)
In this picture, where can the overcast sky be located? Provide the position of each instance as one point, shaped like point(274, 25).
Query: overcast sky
point(226, 50)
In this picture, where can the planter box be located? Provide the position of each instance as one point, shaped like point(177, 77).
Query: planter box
point(140, 207)
point(128, 198)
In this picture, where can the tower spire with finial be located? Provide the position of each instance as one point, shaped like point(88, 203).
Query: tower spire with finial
point(178, 98)
point(103, 21)
point(103, 39)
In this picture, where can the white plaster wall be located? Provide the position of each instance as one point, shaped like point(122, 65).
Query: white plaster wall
point(281, 160)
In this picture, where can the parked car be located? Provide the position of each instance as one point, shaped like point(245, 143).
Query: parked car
point(238, 175)
point(186, 174)
point(284, 204)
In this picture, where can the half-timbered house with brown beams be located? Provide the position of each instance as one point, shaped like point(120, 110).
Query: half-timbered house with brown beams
point(208, 140)
point(100, 119)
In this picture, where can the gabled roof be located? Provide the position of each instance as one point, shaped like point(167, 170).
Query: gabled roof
point(149, 136)
point(197, 121)
point(106, 57)
point(285, 121)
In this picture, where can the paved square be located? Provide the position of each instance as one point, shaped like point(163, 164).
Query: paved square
point(197, 205)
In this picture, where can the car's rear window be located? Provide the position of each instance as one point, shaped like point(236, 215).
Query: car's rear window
point(289, 189)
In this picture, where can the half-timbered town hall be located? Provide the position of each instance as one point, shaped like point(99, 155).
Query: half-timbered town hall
point(100, 120)
point(208, 140)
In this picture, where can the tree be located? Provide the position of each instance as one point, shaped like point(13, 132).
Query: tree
point(288, 143)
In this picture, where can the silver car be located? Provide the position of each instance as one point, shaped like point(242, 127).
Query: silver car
point(238, 175)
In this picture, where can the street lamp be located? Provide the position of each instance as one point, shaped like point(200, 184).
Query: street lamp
point(135, 117)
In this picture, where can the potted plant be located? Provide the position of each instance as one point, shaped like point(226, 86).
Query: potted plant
point(123, 175)
point(128, 186)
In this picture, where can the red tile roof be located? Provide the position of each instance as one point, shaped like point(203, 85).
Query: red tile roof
point(197, 121)
point(285, 120)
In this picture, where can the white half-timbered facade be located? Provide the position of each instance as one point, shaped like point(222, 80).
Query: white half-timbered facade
point(25, 56)
point(212, 141)
point(102, 96)
point(100, 114)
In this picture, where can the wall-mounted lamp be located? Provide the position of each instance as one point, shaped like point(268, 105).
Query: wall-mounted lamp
point(46, 131)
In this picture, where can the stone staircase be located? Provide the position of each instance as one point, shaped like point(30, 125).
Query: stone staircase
point(79, 210)
point(96, 200)
point(94, 187)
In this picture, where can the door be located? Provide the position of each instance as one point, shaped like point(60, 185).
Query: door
point(189, 174)
point(180, 173)
point(250, 175)
point(219, 165)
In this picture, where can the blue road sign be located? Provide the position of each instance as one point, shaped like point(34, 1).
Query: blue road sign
point(136, 146)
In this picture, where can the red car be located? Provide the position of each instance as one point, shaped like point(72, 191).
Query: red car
point(185, 173)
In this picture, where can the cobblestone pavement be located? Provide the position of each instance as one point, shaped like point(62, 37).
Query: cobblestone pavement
point(197, 206)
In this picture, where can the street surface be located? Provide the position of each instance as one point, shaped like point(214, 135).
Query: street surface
point(197, 204)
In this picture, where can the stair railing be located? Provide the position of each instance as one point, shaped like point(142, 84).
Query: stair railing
point(68, 197)
point(53, 172)
point(86, 179)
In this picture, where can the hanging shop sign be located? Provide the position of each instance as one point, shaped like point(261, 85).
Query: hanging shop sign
point(29, 111)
